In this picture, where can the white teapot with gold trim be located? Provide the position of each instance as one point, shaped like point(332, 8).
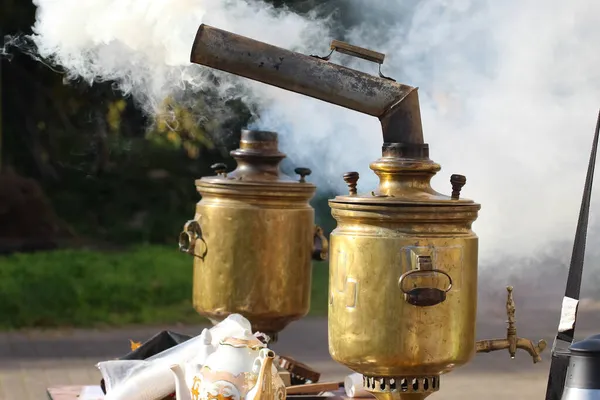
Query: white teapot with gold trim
point(241, 368)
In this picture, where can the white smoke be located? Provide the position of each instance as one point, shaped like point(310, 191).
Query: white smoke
point(144, 46)
point(509, 91)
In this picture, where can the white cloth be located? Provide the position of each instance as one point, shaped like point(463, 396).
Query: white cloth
point(152, 379)
point(353, 385)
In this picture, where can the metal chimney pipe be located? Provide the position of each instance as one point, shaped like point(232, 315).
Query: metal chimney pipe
point(396, 105)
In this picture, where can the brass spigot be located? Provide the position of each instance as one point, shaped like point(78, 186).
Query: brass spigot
point(512, 341)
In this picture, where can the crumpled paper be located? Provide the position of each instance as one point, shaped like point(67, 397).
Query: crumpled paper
point(152, 379)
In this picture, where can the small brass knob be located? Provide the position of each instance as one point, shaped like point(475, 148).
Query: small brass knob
point(351, 179)
point(220, 169)
point(457, 182)
point(303, 172)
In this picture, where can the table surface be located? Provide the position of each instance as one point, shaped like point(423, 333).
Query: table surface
point(64, 392)
point(72, 393)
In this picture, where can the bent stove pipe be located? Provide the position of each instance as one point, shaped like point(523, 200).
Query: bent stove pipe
point(396, 105)
point(403, 257)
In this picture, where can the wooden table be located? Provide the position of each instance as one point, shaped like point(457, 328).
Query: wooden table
point(64, 392)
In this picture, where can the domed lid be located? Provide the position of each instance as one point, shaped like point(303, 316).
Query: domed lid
point(590, 345)
point(405, 172)
point(258, 160)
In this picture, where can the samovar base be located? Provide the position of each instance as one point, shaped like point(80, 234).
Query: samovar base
point(400, 396)
point(402, 387)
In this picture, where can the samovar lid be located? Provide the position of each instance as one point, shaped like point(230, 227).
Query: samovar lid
point(588, 346)
point(258, 159)
point(405, 172)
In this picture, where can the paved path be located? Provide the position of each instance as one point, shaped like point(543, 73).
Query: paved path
point(32, 361)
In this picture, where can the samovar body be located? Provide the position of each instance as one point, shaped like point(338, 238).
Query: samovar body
point(403, 276)
point(253, 237)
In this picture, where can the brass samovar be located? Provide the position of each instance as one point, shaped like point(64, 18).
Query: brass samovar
point(403, 257)
point(253, 238)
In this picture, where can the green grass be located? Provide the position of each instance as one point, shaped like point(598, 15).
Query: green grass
point(85, 288)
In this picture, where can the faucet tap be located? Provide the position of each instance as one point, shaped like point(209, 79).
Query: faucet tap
point(512, 341)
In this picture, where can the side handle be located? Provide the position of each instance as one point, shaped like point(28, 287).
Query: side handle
point(424, 296)
point(320, 245)
point(189, 237)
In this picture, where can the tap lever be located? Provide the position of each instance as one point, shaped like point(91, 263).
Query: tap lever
point(512, 341)
point(511, 329)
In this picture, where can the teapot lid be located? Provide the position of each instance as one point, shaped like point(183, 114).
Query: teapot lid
point(247, 339)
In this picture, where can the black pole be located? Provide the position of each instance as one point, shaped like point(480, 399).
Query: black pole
point(568, 317)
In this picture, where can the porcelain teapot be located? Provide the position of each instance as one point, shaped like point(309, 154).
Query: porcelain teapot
point(241, 368)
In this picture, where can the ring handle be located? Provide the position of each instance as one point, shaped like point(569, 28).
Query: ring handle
point(418, 271)
point(424, 296)
point(192, 232)
point(320, 250)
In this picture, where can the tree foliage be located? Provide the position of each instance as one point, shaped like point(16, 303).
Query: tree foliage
point(110, 172)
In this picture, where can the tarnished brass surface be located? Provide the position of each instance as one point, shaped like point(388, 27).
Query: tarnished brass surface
point(403, 278)
point(253, 238)
point(512, 341)
point(396, 105)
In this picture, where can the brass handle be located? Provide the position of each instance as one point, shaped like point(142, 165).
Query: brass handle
point(192, 232)
point(320, 245)
point(303, 172)
point(457, 182)
point(351, 179)
point(220, 169)
point(424, 296)
point(355, 51)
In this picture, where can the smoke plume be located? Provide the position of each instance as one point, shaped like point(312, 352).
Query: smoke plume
point(509, 93)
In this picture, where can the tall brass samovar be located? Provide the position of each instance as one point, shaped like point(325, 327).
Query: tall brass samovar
point(403, 257)
point(253, 238)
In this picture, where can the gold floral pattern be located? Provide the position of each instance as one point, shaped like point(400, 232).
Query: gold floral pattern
point(195, 389)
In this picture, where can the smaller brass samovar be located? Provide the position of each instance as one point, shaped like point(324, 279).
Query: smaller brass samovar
point(254, 239)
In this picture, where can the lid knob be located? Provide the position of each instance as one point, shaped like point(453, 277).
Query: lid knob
point(303, 172)
point(351, 179)
point(220, 169)
point(457, 182)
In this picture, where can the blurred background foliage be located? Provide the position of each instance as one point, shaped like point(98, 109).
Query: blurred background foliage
point(111, 175)
point(85, 174)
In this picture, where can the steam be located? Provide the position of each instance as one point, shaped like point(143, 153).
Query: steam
point(509, 97)
point(509, 92)
point(144, 46)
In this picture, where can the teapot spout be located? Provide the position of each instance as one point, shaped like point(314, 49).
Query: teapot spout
point(264, 383)
point(181, 390)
